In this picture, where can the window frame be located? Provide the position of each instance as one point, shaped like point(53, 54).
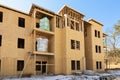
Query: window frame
point(98, 64)
point(99, 49)
point(78, 45)
point(77, 26)
point(96, 48)
point(0, 40)
point(96, 34)
point(57, 22)
point(37, 25)
point(73, 66)
point(20, 65)
point(78, 65)
point(21, 22)
point(72, 25)
point(21, 43)
point(38, 67)
point(1, 16)
point(72, 44)
point(68, 22)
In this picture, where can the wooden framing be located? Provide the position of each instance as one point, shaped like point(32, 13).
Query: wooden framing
point(58, 54)
point(71, 13)
point(41, 66)
point(41, 32)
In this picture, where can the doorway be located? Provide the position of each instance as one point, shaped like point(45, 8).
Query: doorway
point(44, 66)
point(41, 67)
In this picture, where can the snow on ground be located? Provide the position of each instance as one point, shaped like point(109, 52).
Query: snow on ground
point(111, 74)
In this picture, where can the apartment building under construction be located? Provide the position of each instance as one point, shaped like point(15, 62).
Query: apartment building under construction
point(72, 44)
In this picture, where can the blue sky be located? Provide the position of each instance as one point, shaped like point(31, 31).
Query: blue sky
point(105, 11)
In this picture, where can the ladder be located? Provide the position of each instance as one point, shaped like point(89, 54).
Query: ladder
point(25, 64)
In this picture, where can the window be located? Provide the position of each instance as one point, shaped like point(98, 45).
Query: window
point(0, 40)
point(72, 44)
point(78, 45)
point(78, 65)
point(38, 66)
point(57, 22)
point(20, 65)
point(72, 24)
point(95, 33)
point(96, 48)
point(0, 65)
point(98, 65)
point(98, 34)
point(77, 27)
point(99, 49)
point(63, 23)
point(37, 25)
point(75, 65)
point(68, 21)
point(72, 65)
point(60, 23)
point(21, 22)
point(21, 43)
point(1, 16)
point(75, 44)
point(85, 32)
point(80, 25)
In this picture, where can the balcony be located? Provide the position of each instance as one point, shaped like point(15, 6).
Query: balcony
point(44, 22)
point(43, 53)
point(104, 46)
point(44, 29)
point(104, 42)
point(45, 32)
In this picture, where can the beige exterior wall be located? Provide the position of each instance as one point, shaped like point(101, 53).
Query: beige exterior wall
point(91, 42)
point(10, 32)
point(97, 41)
point(60, 51)
point(59, 55)
point(88, 48)
point(74, 54)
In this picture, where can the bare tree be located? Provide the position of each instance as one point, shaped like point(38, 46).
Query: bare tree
point(113, 40)
point(117, 28)
point(113, 43)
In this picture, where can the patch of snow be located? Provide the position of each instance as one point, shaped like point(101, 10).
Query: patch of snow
point(89, 72)
point(110, 75)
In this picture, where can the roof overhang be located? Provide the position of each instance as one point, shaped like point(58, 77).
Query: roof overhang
point(65, 6)
point(104, 35)
point(87, 23)
point(34, 6)
point(13, 9)
point(96, 22)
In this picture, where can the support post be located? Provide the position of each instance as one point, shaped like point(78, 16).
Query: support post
point(34, 42)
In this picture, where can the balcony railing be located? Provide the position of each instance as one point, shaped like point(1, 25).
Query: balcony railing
point(43, 53)
point(43, 31)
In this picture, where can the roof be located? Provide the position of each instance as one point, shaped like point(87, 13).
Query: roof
point(95, 21)
point(13, 9)
point(70, 8)
point(31, 10)
point(87, 23)
point(38, 7)
point(41, 8)
point(104, 35)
